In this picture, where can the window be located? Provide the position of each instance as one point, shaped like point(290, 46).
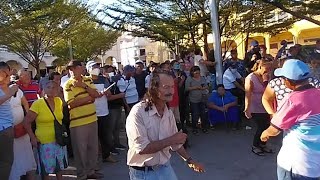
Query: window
point(142, 52)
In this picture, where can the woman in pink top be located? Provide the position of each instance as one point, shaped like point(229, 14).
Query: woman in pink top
point(255, 84)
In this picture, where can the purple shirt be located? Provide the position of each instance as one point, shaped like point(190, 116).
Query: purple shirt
point(257, 92)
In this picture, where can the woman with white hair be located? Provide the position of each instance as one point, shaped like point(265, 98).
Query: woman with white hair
point(52, 157)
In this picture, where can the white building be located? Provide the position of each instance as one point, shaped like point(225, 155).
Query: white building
point(126, 51)
point(129, 49)
point(16, 62)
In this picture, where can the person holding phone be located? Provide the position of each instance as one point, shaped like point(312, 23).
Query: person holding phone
point(6, 123)
point(197, 88)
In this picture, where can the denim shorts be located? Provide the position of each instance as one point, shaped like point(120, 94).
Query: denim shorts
point(161, 172)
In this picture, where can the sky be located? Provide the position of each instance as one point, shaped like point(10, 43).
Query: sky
point(100, 4)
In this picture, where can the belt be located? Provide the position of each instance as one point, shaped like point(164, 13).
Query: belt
point(145, 168)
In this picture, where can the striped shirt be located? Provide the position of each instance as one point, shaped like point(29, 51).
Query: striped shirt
point(86, 113)
point(299, 117)
point(31, 91)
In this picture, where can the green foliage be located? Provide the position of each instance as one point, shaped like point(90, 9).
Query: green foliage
point(186, 23)
point(30, 28)
point(88, 41)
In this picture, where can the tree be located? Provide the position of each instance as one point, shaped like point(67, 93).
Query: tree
point(172, 22)
point(31, 28)
point(88, 41)
point(297, 8)
point(187, 23)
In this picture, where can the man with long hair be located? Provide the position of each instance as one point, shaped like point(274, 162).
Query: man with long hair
point(152, 132)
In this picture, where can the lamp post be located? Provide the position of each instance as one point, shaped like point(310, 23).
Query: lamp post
point(217, 39)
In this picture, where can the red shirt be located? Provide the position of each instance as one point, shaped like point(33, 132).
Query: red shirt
point(175, 99)
point(30, 92)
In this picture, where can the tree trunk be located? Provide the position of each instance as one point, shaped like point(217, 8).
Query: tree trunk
point(193, 36)
point(247, 42)
point(205, 40)
point(36, 65)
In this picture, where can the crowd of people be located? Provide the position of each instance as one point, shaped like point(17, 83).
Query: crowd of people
point(88, 101)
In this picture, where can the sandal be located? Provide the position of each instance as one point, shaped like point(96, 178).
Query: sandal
point(257, 151)
point(266, 149)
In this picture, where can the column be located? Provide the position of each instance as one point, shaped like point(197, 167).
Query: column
point(267, 42)
point(240, 41)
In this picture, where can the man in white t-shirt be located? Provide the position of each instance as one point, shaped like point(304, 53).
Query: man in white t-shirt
point(199, 61)
point(230, 77)
point(64, 80)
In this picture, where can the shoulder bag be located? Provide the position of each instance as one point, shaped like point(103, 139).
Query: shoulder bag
point(60, 130)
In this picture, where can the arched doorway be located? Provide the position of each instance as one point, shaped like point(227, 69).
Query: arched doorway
point(42, 66)
point(111, 61)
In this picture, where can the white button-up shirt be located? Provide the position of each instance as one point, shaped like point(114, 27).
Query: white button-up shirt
point(144, 127)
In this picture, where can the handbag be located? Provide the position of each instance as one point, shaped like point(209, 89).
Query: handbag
point(19, 130)
point(60, 130)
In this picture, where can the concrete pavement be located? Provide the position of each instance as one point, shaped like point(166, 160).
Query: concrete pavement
point(226, 155)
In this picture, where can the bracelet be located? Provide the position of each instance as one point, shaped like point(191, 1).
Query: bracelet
point(189, 160)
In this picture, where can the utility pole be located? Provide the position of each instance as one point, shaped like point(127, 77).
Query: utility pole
point(217, 39)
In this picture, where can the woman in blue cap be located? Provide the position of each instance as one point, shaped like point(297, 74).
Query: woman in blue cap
point(298, 117)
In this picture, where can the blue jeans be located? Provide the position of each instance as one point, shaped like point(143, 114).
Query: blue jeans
point(288, 175)
point(162, 172)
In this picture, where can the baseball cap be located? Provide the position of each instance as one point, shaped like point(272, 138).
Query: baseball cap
point(128, 68)
point(293, 69)
point(90, 64)
point(254, 43)
point(74, 63)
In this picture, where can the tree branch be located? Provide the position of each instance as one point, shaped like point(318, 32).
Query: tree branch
point(298, 15)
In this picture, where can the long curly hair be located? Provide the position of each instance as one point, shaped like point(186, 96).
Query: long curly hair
point(152, 95)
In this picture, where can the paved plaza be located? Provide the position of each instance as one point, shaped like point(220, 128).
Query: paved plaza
point(225, 154)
